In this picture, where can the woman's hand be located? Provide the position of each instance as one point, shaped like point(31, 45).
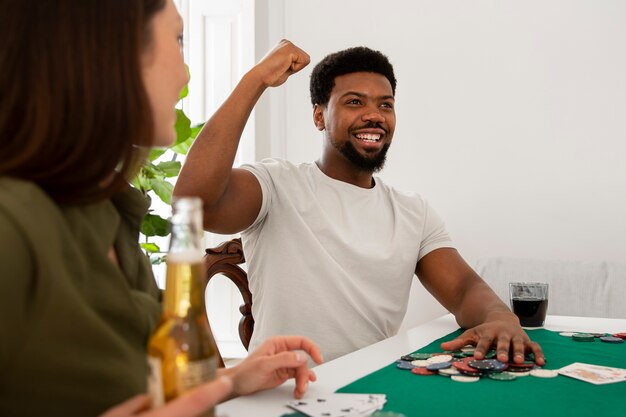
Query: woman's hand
point(192, 403)
point(272, 363)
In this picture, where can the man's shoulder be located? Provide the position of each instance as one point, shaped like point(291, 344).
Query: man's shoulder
point(279, 163)
point(280, 168)
point(408, 197)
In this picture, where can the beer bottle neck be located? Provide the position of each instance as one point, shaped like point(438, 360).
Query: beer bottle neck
point(184, 289)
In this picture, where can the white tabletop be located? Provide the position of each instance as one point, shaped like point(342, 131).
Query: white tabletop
point(346, 369)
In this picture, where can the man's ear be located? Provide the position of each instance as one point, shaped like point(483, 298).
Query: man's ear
point(318, 117)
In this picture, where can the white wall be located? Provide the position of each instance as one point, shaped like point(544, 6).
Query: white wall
point(511, 115)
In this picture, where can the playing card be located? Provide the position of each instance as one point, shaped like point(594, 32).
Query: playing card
point(594, 374)
point(339, 405)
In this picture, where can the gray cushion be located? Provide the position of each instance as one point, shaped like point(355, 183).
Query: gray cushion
point(589, 289)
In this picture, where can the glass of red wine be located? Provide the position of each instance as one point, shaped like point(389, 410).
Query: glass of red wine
point(529, 302)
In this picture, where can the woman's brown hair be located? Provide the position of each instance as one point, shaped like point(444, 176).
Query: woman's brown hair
point(74, 113)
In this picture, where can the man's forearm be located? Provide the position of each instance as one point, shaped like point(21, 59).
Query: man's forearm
point(479, 305)
point(208, 165)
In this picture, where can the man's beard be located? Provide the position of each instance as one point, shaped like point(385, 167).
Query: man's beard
point(366, 164)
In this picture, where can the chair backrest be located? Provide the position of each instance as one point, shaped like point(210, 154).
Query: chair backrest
point(224, 259)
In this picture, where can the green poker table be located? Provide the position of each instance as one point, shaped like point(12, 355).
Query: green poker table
point(372, 370)
point(435, 395)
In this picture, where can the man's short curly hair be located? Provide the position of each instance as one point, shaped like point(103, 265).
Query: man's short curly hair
point(357, 59)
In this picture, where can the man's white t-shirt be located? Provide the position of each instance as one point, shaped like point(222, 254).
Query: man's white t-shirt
point(333, 261)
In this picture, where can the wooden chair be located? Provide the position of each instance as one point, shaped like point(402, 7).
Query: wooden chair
point(224, 260)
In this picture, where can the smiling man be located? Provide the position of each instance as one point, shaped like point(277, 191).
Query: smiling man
point(331, 249)
point(352, 93)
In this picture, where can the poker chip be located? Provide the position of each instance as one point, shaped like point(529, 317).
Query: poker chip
point(404, 365)
point(544, 373)
point(583, 337)
point(481, 365)
point(439, 358)
point(464, 378)
point(518, 373)
point(620, 335)
point(421, 355)
point(454, 353)
point(567, 334)
point(502, 376)
point(468, 350)
point(422, 371)
point(415, 357)
point(497, 365)
point(611, 339)
point(420, 363)
point(439, 365)
point(449, 372)
point(464, 368)
point(524, 366)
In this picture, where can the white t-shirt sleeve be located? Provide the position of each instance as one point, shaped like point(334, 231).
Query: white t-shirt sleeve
point(261, 170)
point(435, 235)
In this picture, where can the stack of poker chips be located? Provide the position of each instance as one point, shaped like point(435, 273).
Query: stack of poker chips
point(591, 337)
point(461, 366)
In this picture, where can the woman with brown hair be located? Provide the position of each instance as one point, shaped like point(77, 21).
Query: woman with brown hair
point(86, 86)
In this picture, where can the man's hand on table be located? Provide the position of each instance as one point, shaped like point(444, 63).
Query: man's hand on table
point(503, 331)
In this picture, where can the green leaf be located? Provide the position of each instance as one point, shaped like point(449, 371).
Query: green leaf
point(141, 181)
point(135, 182)
point(196, 129)
point(170, 168)
point(155, 153)
point(152, 177)
point(153, 173)
point(185, 90)
point(148, 170)
point(150, 247)
point(153, 225)
point(182, 126)
point(156, 173)
point(163, 189)
point(183, 147)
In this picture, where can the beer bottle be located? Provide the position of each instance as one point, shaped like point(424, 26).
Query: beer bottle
point(182, 351)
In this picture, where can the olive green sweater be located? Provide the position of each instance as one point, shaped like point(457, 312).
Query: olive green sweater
point(73, 326)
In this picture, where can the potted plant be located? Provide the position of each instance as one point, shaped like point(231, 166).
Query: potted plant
point(155, 179)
